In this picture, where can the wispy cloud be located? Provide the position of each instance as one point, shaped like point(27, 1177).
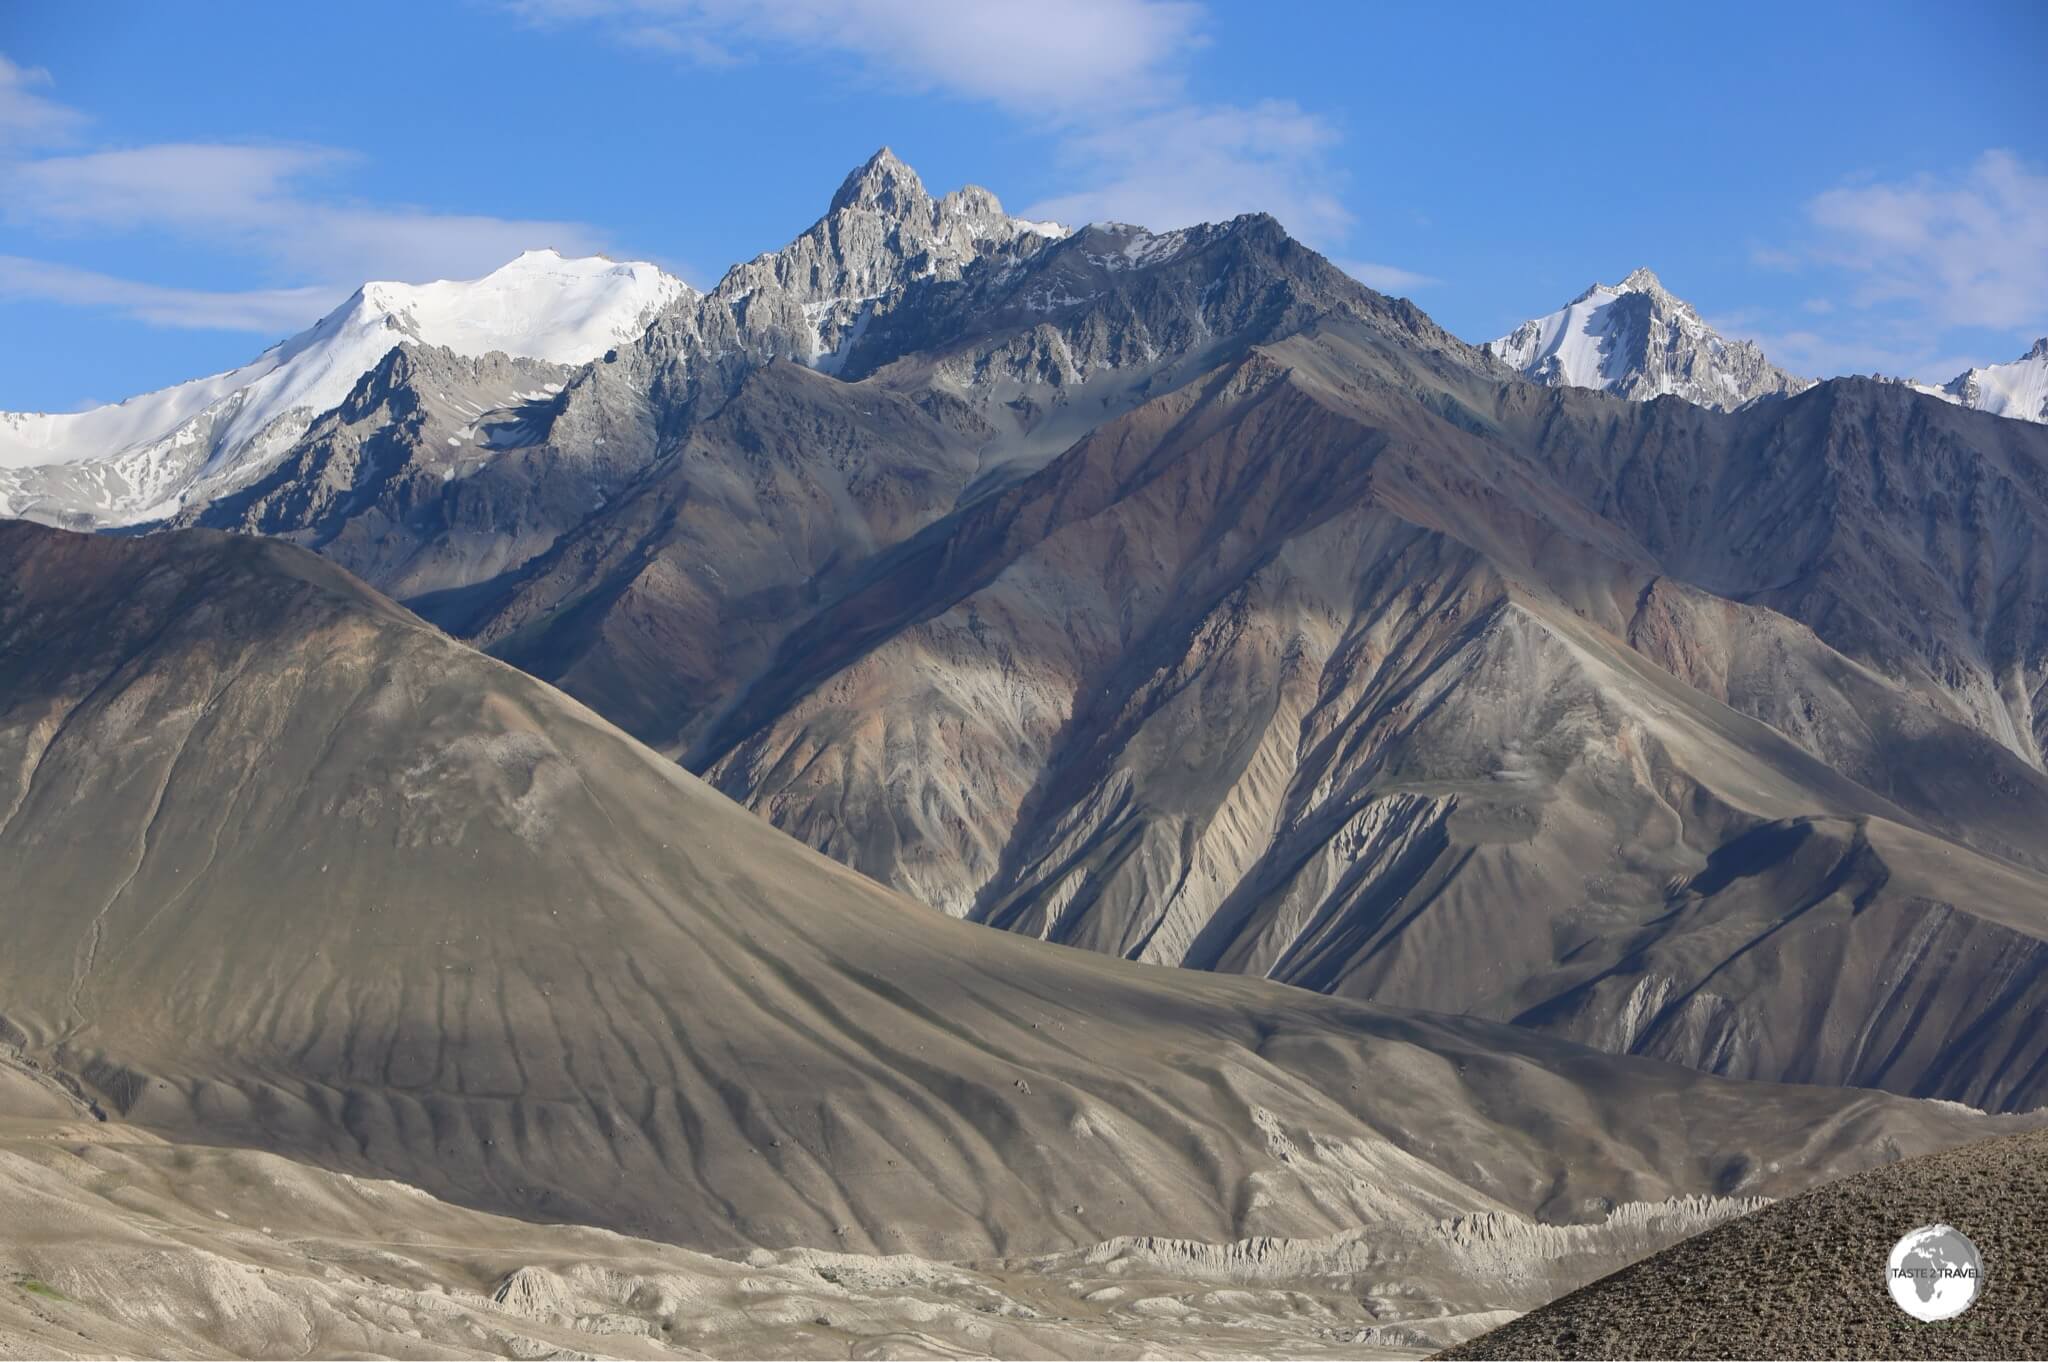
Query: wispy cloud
point(1386, 278)
point(1896, 348)
point(1969, 248)
point(266, 310)
point(1922, 276)
point(1185, 164)
point(174, 184)
point(273, 202)
point(28, 118)
point(1042, 59)
point(279, 205)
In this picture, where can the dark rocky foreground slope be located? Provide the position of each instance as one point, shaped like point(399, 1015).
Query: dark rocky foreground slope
point(1805, 1277)
point(285, 867)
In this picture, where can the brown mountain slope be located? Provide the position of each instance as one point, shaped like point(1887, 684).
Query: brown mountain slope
point(657, 611)
point(282, 866)
point(1907, 532)
point(1284, 673)
point(1805, 1277)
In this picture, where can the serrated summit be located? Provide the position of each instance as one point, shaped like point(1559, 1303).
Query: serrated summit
point(1638, 340)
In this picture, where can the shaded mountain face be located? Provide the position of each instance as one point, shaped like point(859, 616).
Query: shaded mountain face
point(661, 608)
point(1637, 340)
point(285, 867)
point(431, 474)
point(1907, 534)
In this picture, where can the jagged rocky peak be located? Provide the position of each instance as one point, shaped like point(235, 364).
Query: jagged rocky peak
point(1637, 339)
point(883, 229)
point(811, 300)
point(882, 184)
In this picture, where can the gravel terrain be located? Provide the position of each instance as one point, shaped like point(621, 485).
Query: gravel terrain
point(1805, 1277)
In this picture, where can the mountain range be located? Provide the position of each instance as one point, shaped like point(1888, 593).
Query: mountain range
point(587, 777)
point(173, 452)
point(1637, 340)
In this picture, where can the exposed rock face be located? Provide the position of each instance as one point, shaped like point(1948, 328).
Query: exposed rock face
point(533, 469)
point(431, 475)
point(1636, 340)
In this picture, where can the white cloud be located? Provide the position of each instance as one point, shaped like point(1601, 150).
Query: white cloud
point(1386, 278)
point(177, 184)
point(1895, 346)
point(267, 200)
point(272, 311)
point(1100, 79)
point(1043, 59)
point(275, 204)
point(1923, 277)
point(1187, 164)
point(1967, 249)
point(27, 118)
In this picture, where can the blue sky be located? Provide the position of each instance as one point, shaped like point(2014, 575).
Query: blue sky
point(1861, 187)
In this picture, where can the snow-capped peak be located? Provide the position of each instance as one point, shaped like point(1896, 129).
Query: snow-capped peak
point(1638, 340)
point(2018, 389)
point(139, 459)
point(540, 305)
